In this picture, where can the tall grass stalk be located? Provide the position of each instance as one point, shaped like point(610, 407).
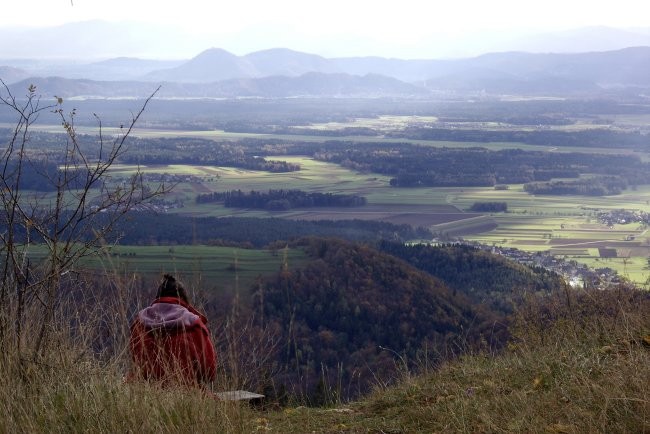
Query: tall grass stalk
point(78, 384)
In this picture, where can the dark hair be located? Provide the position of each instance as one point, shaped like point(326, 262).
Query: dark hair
point(170, 287)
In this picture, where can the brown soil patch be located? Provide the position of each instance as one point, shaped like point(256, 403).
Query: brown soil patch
point(396, 214)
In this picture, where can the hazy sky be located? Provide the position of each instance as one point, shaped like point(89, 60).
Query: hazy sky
point(336, 27)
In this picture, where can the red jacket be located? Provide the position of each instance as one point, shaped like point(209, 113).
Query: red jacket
point(170, 341)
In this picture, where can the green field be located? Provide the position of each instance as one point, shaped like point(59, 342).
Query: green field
point(564, 225)
point(576, 237)
point(381, 124)
point(208, 267)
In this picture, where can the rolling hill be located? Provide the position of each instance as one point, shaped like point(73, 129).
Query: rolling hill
point(352, 306)
point(589, 67)
point(312, 84)
point(281, 73)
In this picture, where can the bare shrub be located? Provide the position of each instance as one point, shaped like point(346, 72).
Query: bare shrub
point(71, 216)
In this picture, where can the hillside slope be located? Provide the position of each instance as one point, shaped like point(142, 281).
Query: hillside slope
point(485, 278)
point(311, 84)
point(578, 362)
point(583, 369)
point(347, 314)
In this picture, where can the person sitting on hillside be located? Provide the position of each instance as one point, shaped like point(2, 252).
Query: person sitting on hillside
point(170, 340)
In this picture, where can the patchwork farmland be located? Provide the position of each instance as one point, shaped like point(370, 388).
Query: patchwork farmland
point(566, 226)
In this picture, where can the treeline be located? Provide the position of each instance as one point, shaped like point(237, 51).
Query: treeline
point(489, 207)
point(597, 186)
point(485, 278)
point(148, 228)
point(32, 175)
point(280, 200)
point(162, 151)
point(203, 152)
point(589, 138)
point(419, 166)
point(172, 150)
point(406, 164)
point(277, 115)
point(42, 176)
point(345, 315)
point(143, 228)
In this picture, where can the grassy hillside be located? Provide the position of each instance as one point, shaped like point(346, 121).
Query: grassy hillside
point(583, 369)
point(576, 365)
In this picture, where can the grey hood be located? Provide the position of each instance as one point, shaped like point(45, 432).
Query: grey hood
point(167, 316)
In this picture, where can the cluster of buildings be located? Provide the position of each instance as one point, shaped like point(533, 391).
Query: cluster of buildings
point(158, 206)
point(575, 273)
point(171, 178)
point(623, 216)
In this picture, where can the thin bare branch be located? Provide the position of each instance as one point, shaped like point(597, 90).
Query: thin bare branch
point(70, 225)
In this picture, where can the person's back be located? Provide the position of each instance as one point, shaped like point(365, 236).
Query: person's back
point(170, 340)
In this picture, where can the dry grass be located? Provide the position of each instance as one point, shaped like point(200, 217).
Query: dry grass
point(76, 383)
point(579, 363)
point(87, 397)
point(579, 367)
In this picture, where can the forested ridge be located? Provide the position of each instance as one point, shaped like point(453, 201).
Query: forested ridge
point(482, 276)
point(347, 314)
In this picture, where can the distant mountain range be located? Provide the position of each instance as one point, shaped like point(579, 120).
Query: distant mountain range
point(311, 84)
point(217, 64)
point(90, 41)
point(280, 72)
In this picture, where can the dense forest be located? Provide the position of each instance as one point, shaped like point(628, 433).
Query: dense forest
point(148, 228)
point(413, 166)
point(595, 186)
point(280, 199)
point(346, 315)
point(489, 207)
point(591, 138)
point(154, 151)
point(144, 228)
point(483, 277)
point(37, 175)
